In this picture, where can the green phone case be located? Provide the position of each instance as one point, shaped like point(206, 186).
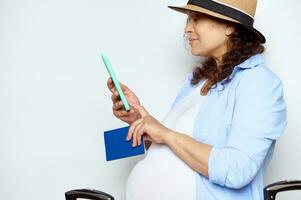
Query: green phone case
point(115, 81)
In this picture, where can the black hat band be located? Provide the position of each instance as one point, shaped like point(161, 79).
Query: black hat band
point(224, 10)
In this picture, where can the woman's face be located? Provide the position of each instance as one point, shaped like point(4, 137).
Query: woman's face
point(207, 36)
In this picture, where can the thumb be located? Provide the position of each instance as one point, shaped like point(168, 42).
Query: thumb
point(123, 87)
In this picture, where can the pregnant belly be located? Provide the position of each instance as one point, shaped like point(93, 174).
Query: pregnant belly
point(161, 175)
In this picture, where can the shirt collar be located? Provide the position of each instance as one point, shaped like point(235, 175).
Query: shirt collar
point(251, 62)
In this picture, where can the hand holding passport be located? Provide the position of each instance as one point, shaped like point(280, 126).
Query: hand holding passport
point(118, 147)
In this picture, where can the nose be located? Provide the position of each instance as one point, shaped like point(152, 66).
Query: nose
point(189, 26)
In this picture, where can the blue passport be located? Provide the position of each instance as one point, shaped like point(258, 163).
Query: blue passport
point(118, 147)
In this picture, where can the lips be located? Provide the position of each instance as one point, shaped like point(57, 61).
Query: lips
point(191, 39)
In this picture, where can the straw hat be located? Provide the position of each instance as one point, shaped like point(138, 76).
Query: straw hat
point(238, 11)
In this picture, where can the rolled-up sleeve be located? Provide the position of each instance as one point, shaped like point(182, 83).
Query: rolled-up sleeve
point(259, 118)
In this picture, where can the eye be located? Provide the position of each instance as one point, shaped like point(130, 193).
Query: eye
point(195, 19)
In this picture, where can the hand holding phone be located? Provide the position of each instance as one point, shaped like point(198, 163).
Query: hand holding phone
point(115, 82)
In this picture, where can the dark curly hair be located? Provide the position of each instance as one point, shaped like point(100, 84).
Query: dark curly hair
point(242, 44)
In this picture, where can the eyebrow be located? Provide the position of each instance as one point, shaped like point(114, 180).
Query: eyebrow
point(195, 14)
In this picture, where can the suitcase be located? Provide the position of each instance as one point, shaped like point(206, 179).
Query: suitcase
point(270, 191)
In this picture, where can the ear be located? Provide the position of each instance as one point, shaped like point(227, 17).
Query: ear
point(229, 29)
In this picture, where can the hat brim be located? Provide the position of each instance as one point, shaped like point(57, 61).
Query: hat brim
point(188, 8)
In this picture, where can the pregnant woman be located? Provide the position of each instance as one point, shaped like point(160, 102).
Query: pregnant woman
point(218, 137)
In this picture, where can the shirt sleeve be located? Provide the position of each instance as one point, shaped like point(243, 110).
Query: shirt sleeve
point(259, 118)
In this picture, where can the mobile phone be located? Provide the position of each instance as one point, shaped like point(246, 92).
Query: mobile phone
point(115, 82)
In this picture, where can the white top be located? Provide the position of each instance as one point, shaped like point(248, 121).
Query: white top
point(161, 174)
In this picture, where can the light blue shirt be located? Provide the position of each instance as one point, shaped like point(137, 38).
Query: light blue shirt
point(242, 123)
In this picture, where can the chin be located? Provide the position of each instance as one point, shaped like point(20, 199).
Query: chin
point(193, 53)
point(198, 53)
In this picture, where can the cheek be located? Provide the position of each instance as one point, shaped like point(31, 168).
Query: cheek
point(202, 47)
point(209, 33)
point(208, 43)
point(216, 31)
point(210, 38)
point(215, 36)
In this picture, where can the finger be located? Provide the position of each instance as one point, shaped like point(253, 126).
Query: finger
point(114, 91)
point(132, 128)
point(140, 109)
point(110, 83)
point(115, 97)
point(120, 112)
point(116, 94)
point(134, 139)
point(112, 87)
point(137, 134)
point(118, 105)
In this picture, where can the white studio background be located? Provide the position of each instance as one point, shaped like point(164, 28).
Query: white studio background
point(54, 104)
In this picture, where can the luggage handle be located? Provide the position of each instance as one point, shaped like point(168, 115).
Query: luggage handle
point(87, 193)
point(271, 190)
